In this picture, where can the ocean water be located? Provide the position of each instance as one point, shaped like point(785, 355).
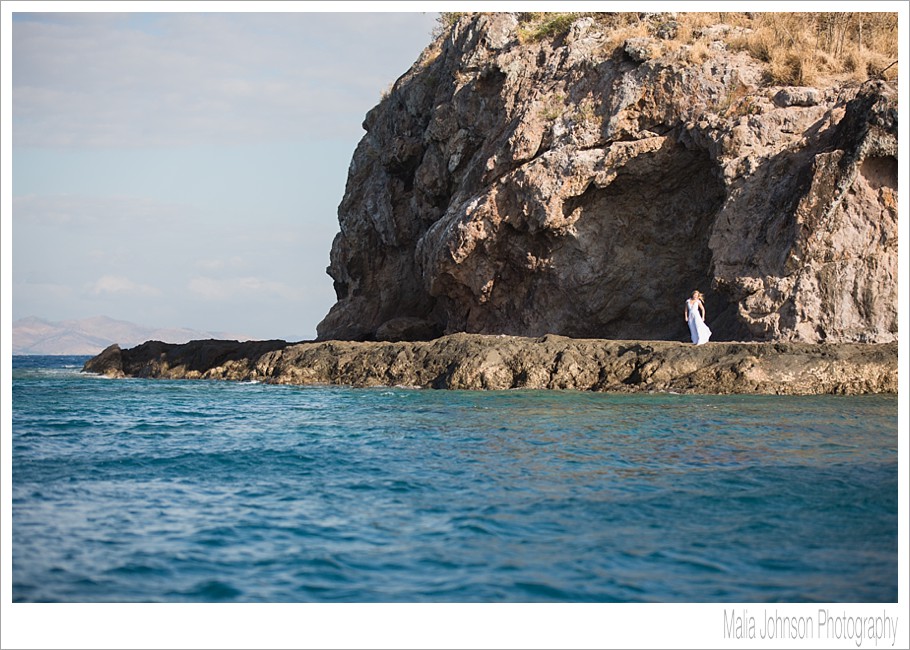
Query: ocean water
point(149, 491)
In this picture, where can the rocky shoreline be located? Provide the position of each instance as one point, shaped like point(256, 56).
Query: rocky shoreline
point(496, 362)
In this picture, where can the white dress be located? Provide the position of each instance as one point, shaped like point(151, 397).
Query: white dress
point(698, 329)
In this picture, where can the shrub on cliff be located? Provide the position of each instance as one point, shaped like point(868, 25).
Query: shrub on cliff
point(798, 48)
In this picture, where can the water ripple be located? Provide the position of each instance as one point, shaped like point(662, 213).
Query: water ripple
point(216, 492)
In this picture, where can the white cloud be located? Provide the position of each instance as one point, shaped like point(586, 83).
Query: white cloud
point(208, 288)
point(270, 287)
point(81, 211)
point(47, 290)
point(220, 264)
point(242, 288)
point(115, 284)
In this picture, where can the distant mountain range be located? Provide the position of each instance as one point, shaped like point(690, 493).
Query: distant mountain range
point(91, 335)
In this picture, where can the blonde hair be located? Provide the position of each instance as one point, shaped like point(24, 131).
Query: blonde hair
point(698, 295)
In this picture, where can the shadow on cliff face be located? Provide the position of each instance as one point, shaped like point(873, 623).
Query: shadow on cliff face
point(637, 249)
point(641, 248)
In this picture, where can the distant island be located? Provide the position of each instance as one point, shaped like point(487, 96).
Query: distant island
point(91, 335)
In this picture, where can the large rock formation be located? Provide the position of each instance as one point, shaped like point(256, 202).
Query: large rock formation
point(566, 186)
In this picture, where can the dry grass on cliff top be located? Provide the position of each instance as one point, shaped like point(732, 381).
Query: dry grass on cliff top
point(805, 48)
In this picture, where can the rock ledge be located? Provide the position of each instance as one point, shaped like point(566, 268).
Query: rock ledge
point(491, 362)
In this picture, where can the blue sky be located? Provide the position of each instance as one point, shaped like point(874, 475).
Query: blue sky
point(184, 169)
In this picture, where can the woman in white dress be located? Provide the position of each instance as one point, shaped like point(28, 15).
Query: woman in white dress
point(695, 317)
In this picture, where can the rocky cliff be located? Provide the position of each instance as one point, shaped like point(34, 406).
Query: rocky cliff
point(577, 186)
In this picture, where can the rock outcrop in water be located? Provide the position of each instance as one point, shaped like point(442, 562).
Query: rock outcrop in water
point(566, 186)
point(481, 362)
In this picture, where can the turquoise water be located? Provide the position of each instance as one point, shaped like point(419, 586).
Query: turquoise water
point(146, 491)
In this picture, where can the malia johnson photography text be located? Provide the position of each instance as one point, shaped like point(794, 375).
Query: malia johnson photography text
point(859, 629)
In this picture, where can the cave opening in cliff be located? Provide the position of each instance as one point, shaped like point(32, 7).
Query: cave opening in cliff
point(639, 249)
